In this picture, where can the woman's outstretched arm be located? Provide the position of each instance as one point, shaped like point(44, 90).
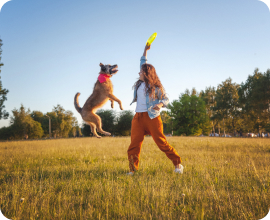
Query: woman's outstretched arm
point(144, 56)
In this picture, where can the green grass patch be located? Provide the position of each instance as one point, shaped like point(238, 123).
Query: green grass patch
point(85, 178)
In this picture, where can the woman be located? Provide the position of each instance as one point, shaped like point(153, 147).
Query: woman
point(150, 97)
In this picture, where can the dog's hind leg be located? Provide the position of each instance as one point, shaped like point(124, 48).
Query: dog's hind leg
point(97, 120)
point(93, 128)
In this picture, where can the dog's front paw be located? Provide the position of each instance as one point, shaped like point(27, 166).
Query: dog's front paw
point(121, 108)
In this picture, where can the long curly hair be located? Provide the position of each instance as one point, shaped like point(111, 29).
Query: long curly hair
point(151, 81)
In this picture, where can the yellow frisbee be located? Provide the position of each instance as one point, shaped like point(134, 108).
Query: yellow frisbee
point(151, 39)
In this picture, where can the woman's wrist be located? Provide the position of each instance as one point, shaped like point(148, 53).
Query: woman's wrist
point(145, 53)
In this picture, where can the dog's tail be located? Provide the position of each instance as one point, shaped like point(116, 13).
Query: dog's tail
point(76, 102)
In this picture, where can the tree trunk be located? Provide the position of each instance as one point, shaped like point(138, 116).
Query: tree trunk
point(233, 127)
point(224, 128)
point(259, 127)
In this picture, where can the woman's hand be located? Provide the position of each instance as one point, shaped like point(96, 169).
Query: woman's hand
point(158, 106)
point(147, 47)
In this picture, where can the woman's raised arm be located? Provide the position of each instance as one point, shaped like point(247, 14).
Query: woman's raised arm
point(144, 56)
point(145, 50)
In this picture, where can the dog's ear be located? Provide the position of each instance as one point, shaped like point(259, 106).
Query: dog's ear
point(101, 64)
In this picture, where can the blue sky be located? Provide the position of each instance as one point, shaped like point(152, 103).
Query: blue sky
point(52, 49)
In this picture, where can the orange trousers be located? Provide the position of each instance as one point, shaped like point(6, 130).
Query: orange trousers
point(142, 125)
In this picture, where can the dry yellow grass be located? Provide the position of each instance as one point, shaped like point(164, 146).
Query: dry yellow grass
point(85, 178)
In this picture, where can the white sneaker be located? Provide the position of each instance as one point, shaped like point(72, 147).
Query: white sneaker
point(130, 173)
point(179, 170)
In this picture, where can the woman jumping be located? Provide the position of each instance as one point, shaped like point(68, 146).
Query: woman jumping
point(150, 97)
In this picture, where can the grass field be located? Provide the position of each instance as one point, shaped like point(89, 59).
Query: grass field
point(85, 178)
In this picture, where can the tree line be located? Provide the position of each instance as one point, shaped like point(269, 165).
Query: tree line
point(230, 108)
point(25, 124)
point(117, 123)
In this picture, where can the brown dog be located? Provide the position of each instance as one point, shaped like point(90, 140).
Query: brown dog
point(103, 91)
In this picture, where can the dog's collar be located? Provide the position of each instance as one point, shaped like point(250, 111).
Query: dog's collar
point(103, 78)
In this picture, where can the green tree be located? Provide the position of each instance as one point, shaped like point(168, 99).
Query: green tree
point(43, 120)
point(227, 106)
point(189, 116)
point(22, 126)
point(3, 92)
point(86, 130)
point(254, 96)
point(75, 130)
point(61, 121)
point(108, 118)
point(37, 116)
point(208, 97)
point(6, 133)
point(267, 128)
point(167, 125)
point(123, 126)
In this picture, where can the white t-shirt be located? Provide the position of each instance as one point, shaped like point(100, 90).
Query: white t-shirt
point(141, 99)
